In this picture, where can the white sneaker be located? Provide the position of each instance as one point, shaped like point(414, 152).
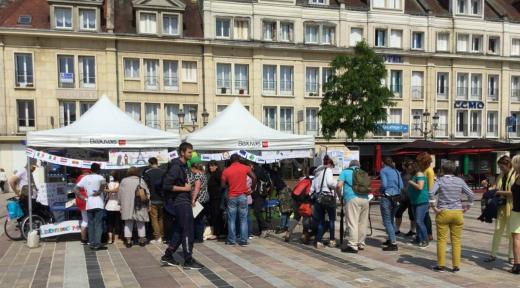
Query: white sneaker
point(156, 241)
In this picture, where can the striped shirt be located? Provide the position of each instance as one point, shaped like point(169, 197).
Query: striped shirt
point(448, 189)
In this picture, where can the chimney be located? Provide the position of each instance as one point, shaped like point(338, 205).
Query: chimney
point(109, 15)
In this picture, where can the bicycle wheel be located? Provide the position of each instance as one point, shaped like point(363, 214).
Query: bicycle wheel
point(12, 229)
point(37, 221)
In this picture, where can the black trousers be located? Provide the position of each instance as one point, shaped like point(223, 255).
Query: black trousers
point(258, 206)
point(183, 230)
point(167, 226)
point(216, 218)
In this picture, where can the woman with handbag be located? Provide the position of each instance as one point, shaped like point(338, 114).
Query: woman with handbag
point(199, 183)
point(113, 207)
point(323, 191)
point(135, 199)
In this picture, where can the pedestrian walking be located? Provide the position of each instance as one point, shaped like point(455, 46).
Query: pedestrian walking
point(391, 185)
point(323, 190)
point(177, 201)
point(134, 206)
point(446, 200)
point(419, 199)
point(113, 208)
point(153, 177)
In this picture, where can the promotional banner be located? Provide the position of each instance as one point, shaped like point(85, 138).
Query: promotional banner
point(135, 157)
point(65, 227)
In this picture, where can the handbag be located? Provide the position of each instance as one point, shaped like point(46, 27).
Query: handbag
point(140, 193)
point(325, 199)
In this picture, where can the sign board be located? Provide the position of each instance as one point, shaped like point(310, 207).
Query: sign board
point(469, 105)
point(393, 58)
point(66, 77)
point(136, 157)
point(253, 144)
point(394, 127)
point(341, 158)
point(65, 227)
point(50, 193)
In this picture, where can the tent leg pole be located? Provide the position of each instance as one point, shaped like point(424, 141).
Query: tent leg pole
point(29, 197)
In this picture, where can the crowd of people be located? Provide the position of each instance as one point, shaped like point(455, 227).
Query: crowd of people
point(186, 203)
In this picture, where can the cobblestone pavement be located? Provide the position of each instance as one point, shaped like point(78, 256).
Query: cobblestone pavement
point(265, 263)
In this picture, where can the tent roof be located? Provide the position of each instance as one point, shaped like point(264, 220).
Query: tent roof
point(104, 125)
point(235, 129)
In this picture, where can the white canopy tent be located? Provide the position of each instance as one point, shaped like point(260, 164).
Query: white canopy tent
point(236, 129)
point(104, 125)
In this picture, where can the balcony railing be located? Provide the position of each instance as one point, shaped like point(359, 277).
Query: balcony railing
point(153, 124)
point(417, 92)
point(462, 92)
point(515, 94)
point(151, 82)
point(286, 87)
point(312, 87)
point(24, 80)
point(443, 94)
point(442, 130)
point(87, 81)
point(269, 87)
point(492, 130)
point(396, 89)
point(493, 94)
point(171, 125)
point(241, 87)
point(171, 83)
point(476, 93)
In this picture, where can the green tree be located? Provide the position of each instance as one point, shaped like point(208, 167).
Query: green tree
point(355, 101)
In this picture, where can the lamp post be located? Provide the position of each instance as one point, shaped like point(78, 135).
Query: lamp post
point(424, 127)
point(188, 126)
point(205, 116)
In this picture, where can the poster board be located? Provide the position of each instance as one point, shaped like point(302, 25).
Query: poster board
point(135, 157)
point(342, 156)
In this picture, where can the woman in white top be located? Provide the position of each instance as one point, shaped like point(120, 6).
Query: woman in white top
point(113, 207)
point(322, 191)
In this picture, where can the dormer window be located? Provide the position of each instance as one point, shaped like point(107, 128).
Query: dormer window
point(147, 23)
point(222, 28)
point(475, 7)
point(63, 17)
point(170, 24)
point(469, 7)
point(87, 19)
point(386, 4)
point(318, 2)
point(269, 30)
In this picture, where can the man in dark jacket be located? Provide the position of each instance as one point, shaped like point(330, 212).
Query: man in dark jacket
point(177, 201)
point(263, 189)
point(153, 178)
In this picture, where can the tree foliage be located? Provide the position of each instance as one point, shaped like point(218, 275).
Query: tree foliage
point(355, 101)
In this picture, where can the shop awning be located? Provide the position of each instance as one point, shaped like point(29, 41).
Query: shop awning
point(423, 145)
point(104, 125)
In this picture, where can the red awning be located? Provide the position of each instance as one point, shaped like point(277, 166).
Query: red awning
point(471, 151)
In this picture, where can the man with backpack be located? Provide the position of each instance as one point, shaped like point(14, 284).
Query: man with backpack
point(355, 184)
point(153, 177)
point(391, 185)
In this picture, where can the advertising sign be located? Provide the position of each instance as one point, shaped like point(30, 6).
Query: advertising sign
point(136, 157)
point(66, 77)
point(65, 227)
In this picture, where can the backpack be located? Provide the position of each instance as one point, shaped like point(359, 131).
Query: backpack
point(263, 183)
point(302, 190)
point(285, 200)
point(361, 182)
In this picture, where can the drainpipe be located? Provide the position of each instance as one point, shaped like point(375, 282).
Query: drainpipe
point(117, 71)
point(203, 79)
point(2, 43)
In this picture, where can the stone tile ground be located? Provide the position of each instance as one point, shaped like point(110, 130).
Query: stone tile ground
point(265, 263)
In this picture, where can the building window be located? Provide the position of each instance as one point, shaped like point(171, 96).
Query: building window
point(189, 69)
point(286, 80)
point(325, 74)
point(133, 110)
point(442, 85)
point(63, 17)
point(476, 86)
point(396, 82)
point(515, 47)
point(24, 70)
point(493, 45)
point(396, 118)
point(356, 36)
point(171, 75)
point(131, 68)
point(396, 39)
point(476, 43)
point(151, 117)
point(462, 86)
point(416, 113)
point(269, 81)
point(286, 32)
point(328, 35)
point(318, 2)
point(270, 117)
point(462, 42)
point(461, 6)
point(148, 23)
point(379, 3)
point(171, 24)
point(65, 71)
point(269, 30)
point(442, 127)
point(171, 122)
point(312, 76)
point(493, 85)
point(475, 123)
point(241, 31)
point(492, 124)
point(394, 4)
point(418, 40)
point(25, 115)
point(417, 85)
point(67, 113)
point(462, 123)
point(311, 33)
point(475, 7)
point(515, 88)
point(151, 75)
point(286, 119)
point(311, 121)
point(223, 78)
point(222, 28)
point(87, 66)
point(380, 40)
point(443, 41)
point(85, 106)
point(241, 79)
point(87, 19)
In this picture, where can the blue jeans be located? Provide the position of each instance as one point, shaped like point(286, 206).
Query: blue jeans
point(95, 226)
point(284, 221)
point(237, 205)
point(388, 211)
point(320, 213)
point(419, 212)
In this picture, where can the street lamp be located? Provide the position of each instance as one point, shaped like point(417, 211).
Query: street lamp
point(193, 116)
point(205, 116)
point(418, 126)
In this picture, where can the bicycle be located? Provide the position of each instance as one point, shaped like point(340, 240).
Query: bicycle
point(18, 228)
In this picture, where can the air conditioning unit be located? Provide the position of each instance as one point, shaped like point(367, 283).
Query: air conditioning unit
point(223, 90)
